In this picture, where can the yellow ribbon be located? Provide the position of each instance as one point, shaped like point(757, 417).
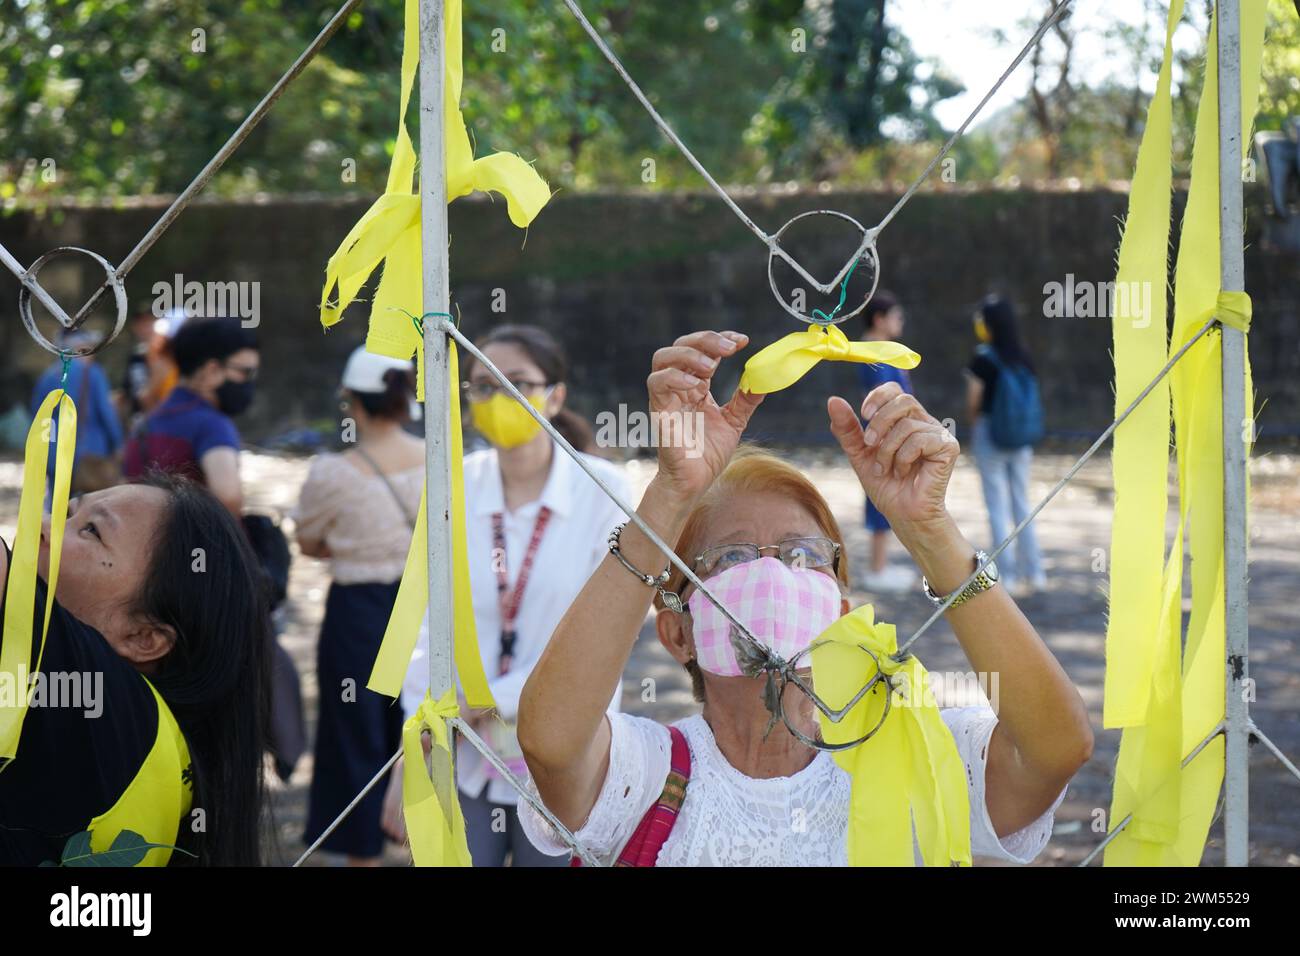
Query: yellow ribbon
point(1166, 697)
point(412, 600)
point(1233, 309)
point(789, 359)
point(909, 772)
point(20, 590)
point(389, 231)
point(435, 828)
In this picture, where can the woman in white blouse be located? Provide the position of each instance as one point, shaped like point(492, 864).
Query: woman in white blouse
point(537, 527)
point(357, 510)
point(747, 788)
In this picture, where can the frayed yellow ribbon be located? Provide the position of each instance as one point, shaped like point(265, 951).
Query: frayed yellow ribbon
point(389, 232)
point(1167, 697)
point(20, 591)
point(909, 772)
point(789, 359)
point(435, 828)
point(412, 601)
point(1233, 309)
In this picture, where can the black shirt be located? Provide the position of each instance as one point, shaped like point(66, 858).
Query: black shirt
point(75, 759)
point(986, 370)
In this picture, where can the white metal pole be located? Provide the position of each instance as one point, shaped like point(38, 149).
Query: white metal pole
point(437, 419)
point(1236, 422)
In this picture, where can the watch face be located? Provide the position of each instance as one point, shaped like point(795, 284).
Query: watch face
point(990, 569)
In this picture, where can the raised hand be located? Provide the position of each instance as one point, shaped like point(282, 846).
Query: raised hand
point(904, 457)
point(696, 435)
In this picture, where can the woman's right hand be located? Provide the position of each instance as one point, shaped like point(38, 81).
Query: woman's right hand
point(696, 435)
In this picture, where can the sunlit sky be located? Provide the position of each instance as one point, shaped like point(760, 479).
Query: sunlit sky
point(960, 34)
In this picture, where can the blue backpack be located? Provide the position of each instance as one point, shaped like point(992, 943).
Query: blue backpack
point(1016, 418)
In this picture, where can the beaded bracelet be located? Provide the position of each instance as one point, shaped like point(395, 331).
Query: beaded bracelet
point(671, 600)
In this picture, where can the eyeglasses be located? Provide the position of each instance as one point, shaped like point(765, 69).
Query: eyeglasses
point(798, 553)
point(247, 373)
point(815, 553)
point(482, 391)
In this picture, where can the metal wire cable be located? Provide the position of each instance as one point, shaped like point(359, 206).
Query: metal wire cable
point(1069, 475)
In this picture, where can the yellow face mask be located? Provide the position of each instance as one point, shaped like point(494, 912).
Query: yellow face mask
point(503, 422)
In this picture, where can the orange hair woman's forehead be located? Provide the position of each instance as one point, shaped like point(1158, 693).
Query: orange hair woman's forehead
point(750, 471)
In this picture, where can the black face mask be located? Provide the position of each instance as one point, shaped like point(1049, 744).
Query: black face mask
point(233, 398)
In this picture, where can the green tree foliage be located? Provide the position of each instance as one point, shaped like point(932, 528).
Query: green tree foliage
point(104, 98)
point(133, 96)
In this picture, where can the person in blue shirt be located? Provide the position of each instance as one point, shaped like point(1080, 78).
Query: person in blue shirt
point(883, 318)
point(191, 432)
point(99, 433)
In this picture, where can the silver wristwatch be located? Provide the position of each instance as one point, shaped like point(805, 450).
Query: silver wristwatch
point(983, 581)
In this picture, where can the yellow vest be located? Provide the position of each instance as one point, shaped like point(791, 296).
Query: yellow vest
point(157, 799)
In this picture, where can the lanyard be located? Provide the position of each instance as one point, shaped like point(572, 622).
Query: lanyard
point(510, 601)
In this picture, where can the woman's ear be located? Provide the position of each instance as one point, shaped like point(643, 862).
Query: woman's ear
point(556, 401)
point(146, 644)
point(674, 632)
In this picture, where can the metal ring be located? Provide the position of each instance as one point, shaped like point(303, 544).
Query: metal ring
point(869, 253)
point(880, 677)
point(29, 320)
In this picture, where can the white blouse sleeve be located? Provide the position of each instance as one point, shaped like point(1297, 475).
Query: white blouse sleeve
point(318, 501)
point(639, 752)
point(972, 727)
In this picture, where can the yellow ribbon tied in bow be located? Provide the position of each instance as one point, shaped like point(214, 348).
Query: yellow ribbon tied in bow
point(789, 359)
point(1165, 692)
point(389, 232)
point(909, 772)
point(433, 821)
point(16, 665)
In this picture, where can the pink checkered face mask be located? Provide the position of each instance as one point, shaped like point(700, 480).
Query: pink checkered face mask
point(784, 608)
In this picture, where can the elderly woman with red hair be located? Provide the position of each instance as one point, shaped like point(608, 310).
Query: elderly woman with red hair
point(740, 791)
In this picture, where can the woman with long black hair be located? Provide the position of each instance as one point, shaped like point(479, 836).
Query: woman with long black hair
point(1006, 419)
point(148, 706)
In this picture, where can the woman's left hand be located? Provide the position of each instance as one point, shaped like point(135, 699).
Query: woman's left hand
point(904, 457)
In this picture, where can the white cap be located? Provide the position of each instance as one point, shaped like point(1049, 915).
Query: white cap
point(170, 322)
point(365, 370)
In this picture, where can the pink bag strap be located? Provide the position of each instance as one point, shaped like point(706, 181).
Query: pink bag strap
point(642, 849)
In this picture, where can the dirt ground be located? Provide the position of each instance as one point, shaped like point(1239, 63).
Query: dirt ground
point(1070, 615)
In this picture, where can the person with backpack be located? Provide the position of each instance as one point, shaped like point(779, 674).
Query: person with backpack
point(1006, 416)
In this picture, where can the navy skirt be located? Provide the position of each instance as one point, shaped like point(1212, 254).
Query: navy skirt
point(358, 729)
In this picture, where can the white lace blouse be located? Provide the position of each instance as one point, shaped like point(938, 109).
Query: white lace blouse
point(729, 819)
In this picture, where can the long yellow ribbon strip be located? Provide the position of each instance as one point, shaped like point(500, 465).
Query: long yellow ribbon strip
point(1139, 464)
point(909, 772)
point(1168, 702)
point(20, 590)
point(402, 632)
point(390, 232)
point(789, 359)
point(436, 832)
